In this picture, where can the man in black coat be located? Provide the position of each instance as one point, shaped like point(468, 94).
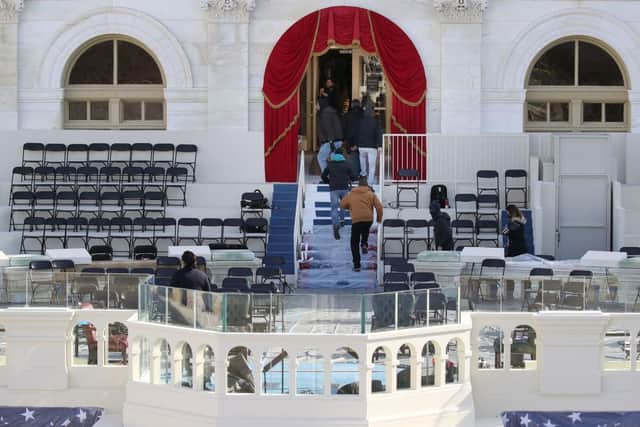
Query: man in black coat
point(339, 175)
point(189, 277)
point(367, 137)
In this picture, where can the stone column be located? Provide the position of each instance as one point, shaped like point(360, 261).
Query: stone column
point(9, 13)
point(570, 352)
point(461, 65)
point(228, 52)
point(37, 339)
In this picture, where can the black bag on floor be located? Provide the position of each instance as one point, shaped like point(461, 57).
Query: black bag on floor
point(439, 194)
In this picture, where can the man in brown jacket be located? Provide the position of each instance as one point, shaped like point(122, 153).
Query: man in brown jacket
point(361, 202)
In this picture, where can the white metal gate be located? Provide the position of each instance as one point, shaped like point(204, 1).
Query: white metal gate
point(583, 180)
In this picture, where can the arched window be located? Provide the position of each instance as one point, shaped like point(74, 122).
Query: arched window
point(162, 363)
point(617, 350)
point(142, 361)
point(240, 371)
point(114, 83)
point(85, 344)
point(310, 372)
point(403, 370)
point(117, 345)
point(523, 347)
point(379, 374)
point(490, 348)
point(452, 374)
point(345, 373)
point(576, 85)
point(275, 371)
point(429, 359)
point(185, 364)
point(208, 369)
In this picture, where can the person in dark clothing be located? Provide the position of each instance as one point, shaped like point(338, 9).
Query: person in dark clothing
point(361, 202)
point(189, 277)
point(517, 244)
point(441, 221)
point(329, 91)
point(329, 131)
point(339, 175)
point(367, 138)
point(349, 123)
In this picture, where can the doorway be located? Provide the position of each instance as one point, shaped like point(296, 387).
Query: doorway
point(583, 194)
point(355, 75)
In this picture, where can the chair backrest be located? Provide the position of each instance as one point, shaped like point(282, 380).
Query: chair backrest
point(395, 277)
point(395, 287)
point(93, 270)
point(487, 174)
point(394, 260)
point(423, 277)
point(264, 288)
point(515, 173)
point(402, 267)
point(544, 272)
point(243, 272)
point(117, 270)
point(439, 194)
point(101, 249)
point(465, 198)
point(487, 226)
point(393, 223)
point(273, 261)
point(40, 265)
point(168, 261)
point(149, 252)
point(581, 273)
point(268, 273)
point(466, 225)
point(631, 251)
point(256, 225)
point(63, 264)
point(237, 283)
point(493, 263)
point(488, 200)
point(408, 174)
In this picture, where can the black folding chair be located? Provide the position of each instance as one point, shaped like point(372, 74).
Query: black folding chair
point(163, 155)
point(98, 155)
point(186, 157)
point(516, 181)
point(188, 231)
point(408, 180)
point(77, 155)
point(33, 154)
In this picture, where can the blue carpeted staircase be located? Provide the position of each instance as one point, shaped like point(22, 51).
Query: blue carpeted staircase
point(281, 226)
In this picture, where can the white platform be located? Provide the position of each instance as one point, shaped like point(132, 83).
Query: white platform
point(603, 259)
point(472, 254)
point(79, 256)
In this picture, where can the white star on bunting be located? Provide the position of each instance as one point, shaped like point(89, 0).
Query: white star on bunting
point(28, 415)
point(505, 420)
point(524, 421)
point(575, 416)
point(549, 424)
point(82, 415)
point(66, 423)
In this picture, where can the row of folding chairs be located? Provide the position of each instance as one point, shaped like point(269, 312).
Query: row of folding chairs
point(515, 182)
point(90, 204)
point(82, 232)
point(111, 178)
point(407, 233)
point(117, 154)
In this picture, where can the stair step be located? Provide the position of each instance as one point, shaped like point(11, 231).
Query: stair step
point(323, 204)
point(327, 221)
point(327, 214)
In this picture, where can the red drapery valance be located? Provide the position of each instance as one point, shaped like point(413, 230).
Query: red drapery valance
point(315, 33)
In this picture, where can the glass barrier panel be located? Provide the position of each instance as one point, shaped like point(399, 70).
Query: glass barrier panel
point(298, 313)
point(123, 290)
point(181, 307)
point(87, 291)
point(237, 313)
point(209, 310)
point(266, 312)
point(3, 346)
point(158, 304)
point(451, 303)
point(379, 311)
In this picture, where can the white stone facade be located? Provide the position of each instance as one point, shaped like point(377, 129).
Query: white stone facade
point(213, 55)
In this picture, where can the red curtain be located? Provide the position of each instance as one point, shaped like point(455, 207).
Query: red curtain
point(315, 33)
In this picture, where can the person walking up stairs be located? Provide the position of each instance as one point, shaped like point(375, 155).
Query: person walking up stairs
point(361, 202)
point(339, 175)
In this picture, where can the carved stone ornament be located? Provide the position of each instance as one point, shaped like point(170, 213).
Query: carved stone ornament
point(228, 9)
point(461, 10)
point(10, 9)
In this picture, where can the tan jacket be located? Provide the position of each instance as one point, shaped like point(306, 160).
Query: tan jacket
point(361, 202)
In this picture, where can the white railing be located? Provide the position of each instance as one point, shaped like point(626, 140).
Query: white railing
point(299, 218)
point(403, 152)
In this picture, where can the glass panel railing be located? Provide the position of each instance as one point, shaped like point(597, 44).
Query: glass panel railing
point(299, 314)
